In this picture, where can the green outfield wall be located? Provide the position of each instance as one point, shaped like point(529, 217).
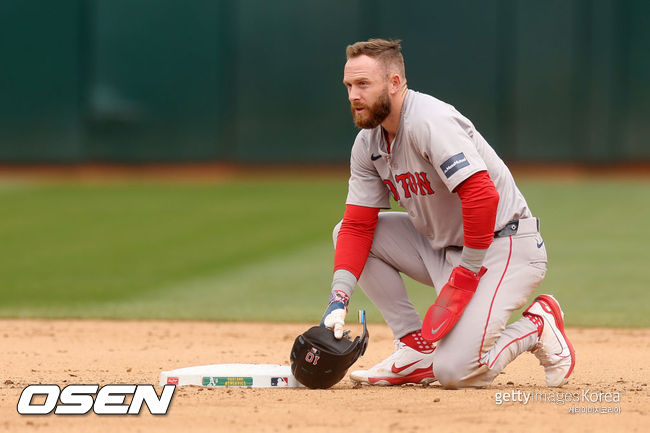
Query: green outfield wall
point(260, 81)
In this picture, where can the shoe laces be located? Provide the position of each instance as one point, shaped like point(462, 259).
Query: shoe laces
point(398, 345)
point(389, 361)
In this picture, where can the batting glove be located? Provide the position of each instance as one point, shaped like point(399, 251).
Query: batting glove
point(334, 317)
point(450, 304)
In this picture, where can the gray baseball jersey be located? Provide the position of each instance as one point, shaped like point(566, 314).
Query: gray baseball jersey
point(435, 149)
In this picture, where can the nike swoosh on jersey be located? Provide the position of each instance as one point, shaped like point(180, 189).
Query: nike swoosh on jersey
point(375, 157)
point(539, 245)
point(397, 370)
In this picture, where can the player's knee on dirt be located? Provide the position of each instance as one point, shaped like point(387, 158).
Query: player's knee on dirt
point(455, 370)
point(450, 377)
point(447, 375)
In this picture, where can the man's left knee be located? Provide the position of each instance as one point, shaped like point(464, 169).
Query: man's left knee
point(454, 371)
point(447, 375)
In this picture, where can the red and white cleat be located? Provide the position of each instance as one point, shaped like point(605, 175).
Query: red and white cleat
point(554, 350)
point(405, 365)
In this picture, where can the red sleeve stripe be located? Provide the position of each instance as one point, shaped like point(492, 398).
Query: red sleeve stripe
point(355, 238)
point(479, 200)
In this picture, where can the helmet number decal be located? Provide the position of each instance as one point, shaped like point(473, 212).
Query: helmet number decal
point(311, 357)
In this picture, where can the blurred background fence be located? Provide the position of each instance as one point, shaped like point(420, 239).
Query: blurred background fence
point(260, 81)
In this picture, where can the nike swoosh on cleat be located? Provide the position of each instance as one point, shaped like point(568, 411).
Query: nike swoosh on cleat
point(397, 370)
point(420, 375)
point(375, 157)
point(559, 325)
point(565, 348)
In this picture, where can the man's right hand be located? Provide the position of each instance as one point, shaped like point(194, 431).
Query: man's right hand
point(334, 317)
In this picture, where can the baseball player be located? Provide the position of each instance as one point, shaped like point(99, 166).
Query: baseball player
point(467, 231)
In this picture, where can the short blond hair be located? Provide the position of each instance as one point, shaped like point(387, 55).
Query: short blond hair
point(387, 52)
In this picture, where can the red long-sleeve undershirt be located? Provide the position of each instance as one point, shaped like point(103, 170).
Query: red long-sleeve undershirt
point(479, 201)
point(355, 238)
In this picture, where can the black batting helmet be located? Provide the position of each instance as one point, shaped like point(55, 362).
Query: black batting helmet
point(318, 360)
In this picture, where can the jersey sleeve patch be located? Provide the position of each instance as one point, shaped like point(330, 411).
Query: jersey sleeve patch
point(453, 164)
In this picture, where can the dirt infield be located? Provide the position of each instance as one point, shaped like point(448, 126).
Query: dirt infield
point(610, 363)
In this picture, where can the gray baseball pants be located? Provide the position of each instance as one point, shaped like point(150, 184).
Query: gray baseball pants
point(480, 345)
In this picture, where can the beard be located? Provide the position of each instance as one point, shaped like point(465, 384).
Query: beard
point(376, 113)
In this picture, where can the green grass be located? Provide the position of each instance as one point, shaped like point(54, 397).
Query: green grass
point(262, 250)
point(597, 236)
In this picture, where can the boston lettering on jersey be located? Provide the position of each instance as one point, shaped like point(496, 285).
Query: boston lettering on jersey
point(411, 183)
